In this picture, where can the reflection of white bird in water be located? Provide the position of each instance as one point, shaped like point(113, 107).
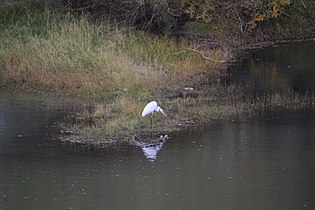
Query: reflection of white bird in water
point(150, 151)
point(150, 108)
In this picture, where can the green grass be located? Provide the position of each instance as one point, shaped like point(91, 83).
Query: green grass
point(119, 69)
point(49, 50)
point(74, 54)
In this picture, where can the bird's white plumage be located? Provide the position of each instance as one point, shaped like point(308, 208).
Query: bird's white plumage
point(149, 108)
point(152, 107)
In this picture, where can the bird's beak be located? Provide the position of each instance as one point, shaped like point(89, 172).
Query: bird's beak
point(164, 114)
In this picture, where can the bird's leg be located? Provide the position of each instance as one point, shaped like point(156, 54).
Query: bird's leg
point(151, 117)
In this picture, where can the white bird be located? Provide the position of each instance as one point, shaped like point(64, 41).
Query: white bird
point(150, 108)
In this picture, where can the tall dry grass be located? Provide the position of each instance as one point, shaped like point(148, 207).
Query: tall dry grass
point(64, 52)
point(77, 55)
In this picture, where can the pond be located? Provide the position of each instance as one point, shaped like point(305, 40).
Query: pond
point(278, 68)
point(266, 162)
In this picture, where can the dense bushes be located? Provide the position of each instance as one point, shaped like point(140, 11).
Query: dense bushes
point(169, 15)
point(165, 16)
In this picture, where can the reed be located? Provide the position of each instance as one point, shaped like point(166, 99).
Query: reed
point(95, 59)
point(49, 50)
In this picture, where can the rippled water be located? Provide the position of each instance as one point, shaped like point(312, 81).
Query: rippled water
point(263, 163)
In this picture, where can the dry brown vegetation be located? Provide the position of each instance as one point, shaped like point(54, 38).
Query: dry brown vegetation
point(121, 70)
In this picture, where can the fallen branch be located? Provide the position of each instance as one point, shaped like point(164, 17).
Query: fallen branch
point(303, 4)
point(205, 57)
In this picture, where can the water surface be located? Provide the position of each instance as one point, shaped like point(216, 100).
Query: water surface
point(278, 68)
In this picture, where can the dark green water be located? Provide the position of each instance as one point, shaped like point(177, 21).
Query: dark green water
point(263, 163)
point(273, 69)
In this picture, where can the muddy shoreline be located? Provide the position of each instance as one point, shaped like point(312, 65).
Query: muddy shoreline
point(145, 137)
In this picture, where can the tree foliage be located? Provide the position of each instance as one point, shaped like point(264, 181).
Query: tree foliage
point(266, 10)
point(162, 16)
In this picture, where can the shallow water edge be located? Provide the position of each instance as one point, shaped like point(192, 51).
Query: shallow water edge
point(233, 96)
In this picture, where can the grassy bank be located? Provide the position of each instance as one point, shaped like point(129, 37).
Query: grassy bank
point(117, 68)
point(94, 59)
point(120, 70)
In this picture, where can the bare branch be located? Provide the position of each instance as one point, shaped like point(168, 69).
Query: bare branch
point(303, 4)
point(240, 21)
point(205, 57)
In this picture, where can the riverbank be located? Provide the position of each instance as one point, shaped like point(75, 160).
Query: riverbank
point(118, 70)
